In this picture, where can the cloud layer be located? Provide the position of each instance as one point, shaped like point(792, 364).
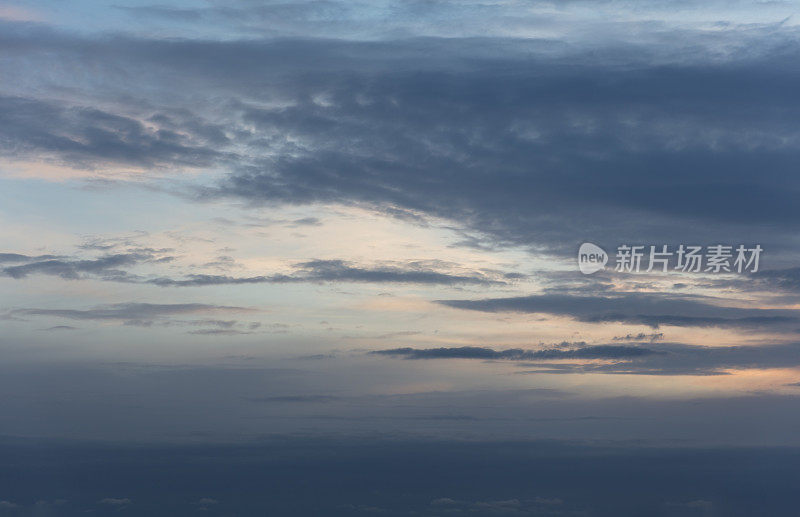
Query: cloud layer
point(652, 309)
point(499, 134)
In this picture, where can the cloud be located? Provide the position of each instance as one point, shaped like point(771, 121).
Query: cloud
point(641, 336)
point(16, 257)
point(219, 332)
point(685, 359)
point(508, 152)
point(337, 270)
point(641, 359)
point(610, 19)
point(60, 327)
point(87, 136)
point(516, 354)
point(340, 271)
point(495, 134)
point(112, 501)
point(652, 309)
point(110, 268)
point(783, 279)
point(132, 313)
point(73, 269)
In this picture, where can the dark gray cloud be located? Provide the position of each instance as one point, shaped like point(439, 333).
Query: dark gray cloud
point(412, 272)
point(781, 279)
point(527, 141)
point(782, 284)
point(684, 359)
point(652, 309)
point(60, 327)
point(641, 336)
point(16, 257)
point(106, 266)
point(204, 280)
point(89, 136)
point(129, 313)
point(639, 359)
point(507, 151)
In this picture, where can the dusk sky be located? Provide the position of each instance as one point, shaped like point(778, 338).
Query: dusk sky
point(322, 257)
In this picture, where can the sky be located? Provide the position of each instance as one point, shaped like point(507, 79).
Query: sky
point(271, 240)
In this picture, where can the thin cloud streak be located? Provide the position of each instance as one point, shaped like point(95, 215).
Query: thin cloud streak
point(651, 309)
point(110, 268)
point(517, 354)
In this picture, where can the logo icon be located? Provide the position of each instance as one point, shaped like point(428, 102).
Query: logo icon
point(591, 258)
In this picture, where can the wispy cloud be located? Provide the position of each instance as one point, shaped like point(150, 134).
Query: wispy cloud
point(115, 267)
point(106, 266)
point(133, 313)
point(640, 359)
point(652, 309)
point(516, 354)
